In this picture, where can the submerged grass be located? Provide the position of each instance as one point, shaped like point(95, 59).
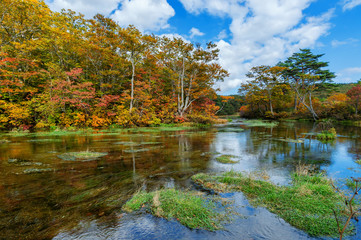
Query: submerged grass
point(189, 208)
point(226, 159)
point(260, 123)
point(307, 204)
point(289, 140)
point(85, 155)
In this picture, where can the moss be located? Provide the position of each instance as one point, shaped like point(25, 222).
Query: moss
point(306, 204)
point(226, 159)
point(188, 208)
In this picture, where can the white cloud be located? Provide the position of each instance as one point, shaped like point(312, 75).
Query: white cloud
point(350, 4)
point(175, 35)
point(352, 70)
point(349, 75)
point(195, 32)
point(87, 7)
point(263, 32)
point(337, 43)
point(222, 35)
point(144, 14)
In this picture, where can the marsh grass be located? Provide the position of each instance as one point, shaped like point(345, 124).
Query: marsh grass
point(306, 204)
point(261, 123)
point(226, 159)
point(327, 135)
point(189, 208)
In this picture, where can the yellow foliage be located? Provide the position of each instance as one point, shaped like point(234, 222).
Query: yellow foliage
point(17, 114)
point(99, 122)
point(41, 125)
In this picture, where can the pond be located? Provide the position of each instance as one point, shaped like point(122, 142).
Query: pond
point(73, 186)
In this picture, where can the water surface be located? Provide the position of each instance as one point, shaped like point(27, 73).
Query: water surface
point(43, 196)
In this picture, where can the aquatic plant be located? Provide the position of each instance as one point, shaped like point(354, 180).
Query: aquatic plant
point(85, 155)
point(327, 135)
point(308, 204)
point(136, 150)
point(289, 140)
point(226, 159)
point(260, 123)
point(230, 129)
point(189, 208)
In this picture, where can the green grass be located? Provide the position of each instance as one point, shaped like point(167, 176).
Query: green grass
point(226, 159)
point(306, 204)
point(260, 123)
point(188, 208)
point(327, 135)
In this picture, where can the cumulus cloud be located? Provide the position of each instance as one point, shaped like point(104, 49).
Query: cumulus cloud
point(195, 32)
point(263, 32)
point(144, 14)
point(350, 4)
point(87, 7)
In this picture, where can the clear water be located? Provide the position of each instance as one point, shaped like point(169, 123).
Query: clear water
point(43, 196)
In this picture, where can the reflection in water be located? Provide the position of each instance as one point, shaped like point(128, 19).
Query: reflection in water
point(84, 199)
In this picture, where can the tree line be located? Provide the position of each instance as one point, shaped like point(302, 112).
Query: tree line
point(60, 69)
point(293, 88)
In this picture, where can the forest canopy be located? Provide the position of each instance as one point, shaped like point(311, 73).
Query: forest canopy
point(60, 69)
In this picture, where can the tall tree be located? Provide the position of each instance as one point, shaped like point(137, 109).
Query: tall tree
point(304, 71)
point(266, 77)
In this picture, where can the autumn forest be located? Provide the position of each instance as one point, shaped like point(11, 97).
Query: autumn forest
point(60, 69)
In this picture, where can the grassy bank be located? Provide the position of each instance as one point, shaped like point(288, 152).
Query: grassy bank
point(189, 208)
point(111, 130)
point(307, 204)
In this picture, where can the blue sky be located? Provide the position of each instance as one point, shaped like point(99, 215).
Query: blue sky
point(248, 32)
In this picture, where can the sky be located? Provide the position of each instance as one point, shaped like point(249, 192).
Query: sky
point(248, 33)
